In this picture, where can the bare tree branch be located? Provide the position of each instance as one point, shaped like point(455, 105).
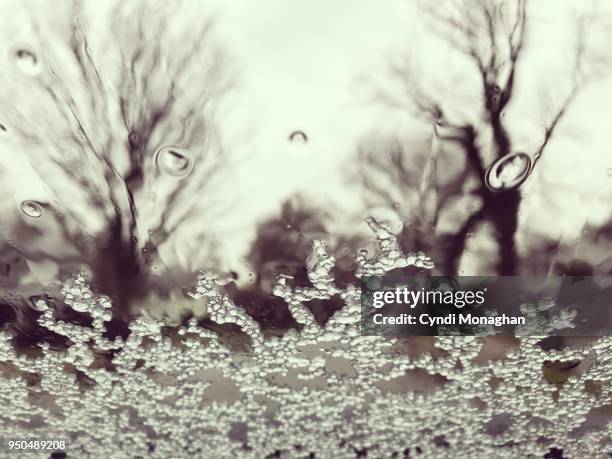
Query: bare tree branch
point(493, 37)
point(578, 81)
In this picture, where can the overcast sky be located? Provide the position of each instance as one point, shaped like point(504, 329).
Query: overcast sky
point(316, 66)
point(309, 65)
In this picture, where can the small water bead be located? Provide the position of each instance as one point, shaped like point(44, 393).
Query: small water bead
point(298, 137)
point(546, 303)
point(509, 171)
point(224, 278)
point(80, 306)
point(26, 61)
point(39, 303)
point(174, 161)
point(32, 209)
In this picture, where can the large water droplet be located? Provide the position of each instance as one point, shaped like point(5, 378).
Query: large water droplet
point(31, 208)
point(26, 61)
point(509, 171)
point(298, 137)
point(174, 161)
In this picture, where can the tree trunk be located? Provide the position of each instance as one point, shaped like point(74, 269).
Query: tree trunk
point(450, 247)
point(118, 269)
point(502, 210)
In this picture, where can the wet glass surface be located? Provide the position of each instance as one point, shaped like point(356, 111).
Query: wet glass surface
point(191, 193)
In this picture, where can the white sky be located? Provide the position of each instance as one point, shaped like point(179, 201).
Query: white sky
point(308, 65)
point(316, 65)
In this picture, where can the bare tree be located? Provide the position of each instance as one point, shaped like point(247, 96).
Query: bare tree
point(493, 35)
point(119, 126)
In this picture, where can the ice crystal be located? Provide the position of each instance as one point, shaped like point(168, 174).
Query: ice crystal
point(323, 391)
point(543, 320)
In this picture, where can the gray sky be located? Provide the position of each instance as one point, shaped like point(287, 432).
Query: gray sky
point(312, 66)
point(315, 66)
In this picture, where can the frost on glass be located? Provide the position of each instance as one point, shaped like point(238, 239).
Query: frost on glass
point(177, 391)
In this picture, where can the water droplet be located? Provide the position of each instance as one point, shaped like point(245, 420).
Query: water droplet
point(609, 171)
point(39, 303)
point(31, 208)
point(80, 306)
point(509, 171)
point(26, 61)
point(174, 161)
point(298, 137)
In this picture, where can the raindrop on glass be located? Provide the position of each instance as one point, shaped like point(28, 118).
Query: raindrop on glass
point(546, 303)
point(39, 303)
point(26, 61)
point(174, 161)
point(509, 171)
point(31, 208)
point(80, 306)
point(298, 137)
